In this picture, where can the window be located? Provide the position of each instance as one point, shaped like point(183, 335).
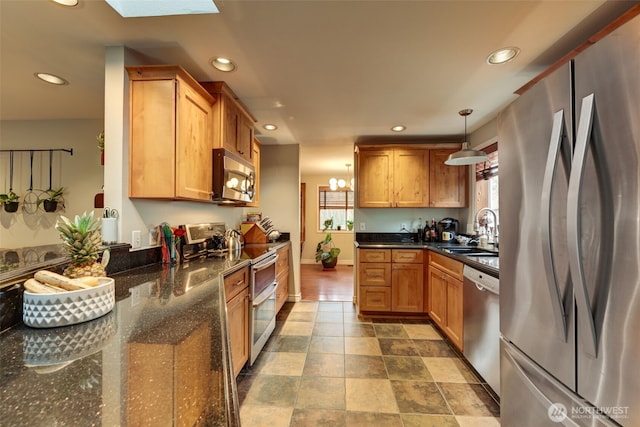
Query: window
point(335, 205)
point(487, 184)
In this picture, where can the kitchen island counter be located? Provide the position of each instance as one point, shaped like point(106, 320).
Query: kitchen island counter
point(162, 351)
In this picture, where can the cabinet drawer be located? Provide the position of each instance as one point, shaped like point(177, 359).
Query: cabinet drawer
point(235, 282)
point(374, 274)
point(375, 298)
point(446, 264)
point(375, 255)
point(407, 255)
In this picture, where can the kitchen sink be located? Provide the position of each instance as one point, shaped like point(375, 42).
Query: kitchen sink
point(469, 251)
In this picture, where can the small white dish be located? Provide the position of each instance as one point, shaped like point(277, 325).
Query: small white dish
point(68, 308)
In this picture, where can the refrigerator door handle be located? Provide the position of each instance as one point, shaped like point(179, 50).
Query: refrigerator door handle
point(559, 313)
point(585, 316)
point(515, 358)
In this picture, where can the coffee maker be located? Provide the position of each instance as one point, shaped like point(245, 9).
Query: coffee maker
point(448, 229)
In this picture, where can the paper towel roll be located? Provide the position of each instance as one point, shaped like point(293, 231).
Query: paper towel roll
point(109, 230)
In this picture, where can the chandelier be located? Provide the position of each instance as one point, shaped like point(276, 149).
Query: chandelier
point(340, 183)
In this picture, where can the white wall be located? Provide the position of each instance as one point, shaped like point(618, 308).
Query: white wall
point(342, 239)
point(280, 199)
point(81, 175)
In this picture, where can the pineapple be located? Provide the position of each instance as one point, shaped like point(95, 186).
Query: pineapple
point(82, 239)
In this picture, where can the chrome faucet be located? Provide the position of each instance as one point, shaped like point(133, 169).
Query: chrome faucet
point(494, 232)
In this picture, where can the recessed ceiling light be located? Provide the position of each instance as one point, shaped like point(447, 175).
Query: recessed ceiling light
point(503, 55)
point(50, 78)
point(223, 64)
point(69, 3)
point(398, 128)
point(270, 126)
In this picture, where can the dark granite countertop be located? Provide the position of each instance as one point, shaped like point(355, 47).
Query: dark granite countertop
point(161, 353)
point(489, 265)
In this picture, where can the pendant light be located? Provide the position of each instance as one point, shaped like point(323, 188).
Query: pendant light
point(466, 156)
point(335, 183)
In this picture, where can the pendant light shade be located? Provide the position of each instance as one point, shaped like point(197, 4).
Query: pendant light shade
point(335, 184)
point(466, 156)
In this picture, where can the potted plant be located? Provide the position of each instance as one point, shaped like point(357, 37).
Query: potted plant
point(51, 200)
point(350, 225)
point(327, 252)
point(328, 224)
point(10, 201)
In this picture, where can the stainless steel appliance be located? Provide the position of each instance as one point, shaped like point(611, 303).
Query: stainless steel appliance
point(570, 271)
point(262, 320)
point(233, 178)
point(201, 240)
point(481, 314)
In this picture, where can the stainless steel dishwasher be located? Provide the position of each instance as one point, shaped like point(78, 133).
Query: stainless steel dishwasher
point(481, 308)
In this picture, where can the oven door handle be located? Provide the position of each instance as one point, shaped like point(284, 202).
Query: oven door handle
point(263, 300)
point(265, 264)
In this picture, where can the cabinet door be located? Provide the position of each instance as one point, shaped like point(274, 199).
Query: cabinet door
point(375, 298)
point(282, 291)
point(407, 288)
point(255, 158)
point(454, 324)
point(282, 264)
point(437, 298)
point(411, 178)
point(229, 124)
point(374, 178)
point(193, 145)
point(152, 158)
point(447, 184)
point(244, 139)
point(238, 325)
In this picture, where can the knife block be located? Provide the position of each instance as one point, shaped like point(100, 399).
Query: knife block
point(255, 235)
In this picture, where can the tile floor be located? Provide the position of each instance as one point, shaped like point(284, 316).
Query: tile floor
point(325, 367)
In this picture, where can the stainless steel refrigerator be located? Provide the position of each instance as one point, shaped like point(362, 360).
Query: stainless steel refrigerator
point(570, 242)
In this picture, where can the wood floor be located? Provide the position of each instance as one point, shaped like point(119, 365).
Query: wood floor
point(317, 284)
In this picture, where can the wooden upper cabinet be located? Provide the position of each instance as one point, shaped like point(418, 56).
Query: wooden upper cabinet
point(233, 124)
point(407, 177)
point(411, 178)
point(396, 177)
point(447, 184)
point(374, 178)
point(170, 135)
point(255, 158)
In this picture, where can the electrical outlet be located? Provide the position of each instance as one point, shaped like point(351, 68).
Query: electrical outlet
point(136, 239)
point(362, 226)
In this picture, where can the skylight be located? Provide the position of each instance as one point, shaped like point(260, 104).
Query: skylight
point(144, 8)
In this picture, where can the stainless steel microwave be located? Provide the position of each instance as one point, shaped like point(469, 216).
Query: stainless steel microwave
point(233, 178)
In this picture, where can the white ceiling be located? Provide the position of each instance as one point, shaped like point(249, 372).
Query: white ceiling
point(326, 72)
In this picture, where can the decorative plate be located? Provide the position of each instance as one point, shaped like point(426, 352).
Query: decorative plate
point(68, 308)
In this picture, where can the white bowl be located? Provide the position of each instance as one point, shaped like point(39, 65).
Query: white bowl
point(68, 308)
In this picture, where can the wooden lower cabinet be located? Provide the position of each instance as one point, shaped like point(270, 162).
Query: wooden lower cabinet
point(390, 281)
point(444, 299)
point(407, 285)
point(454, 323)
point(236, 286)
point(238, 319)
